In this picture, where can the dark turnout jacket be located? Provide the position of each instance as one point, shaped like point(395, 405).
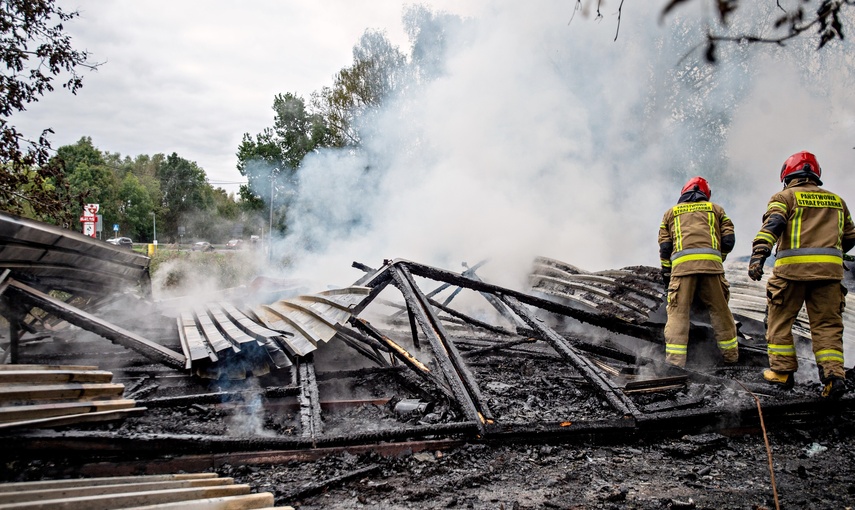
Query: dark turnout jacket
point(695, 236)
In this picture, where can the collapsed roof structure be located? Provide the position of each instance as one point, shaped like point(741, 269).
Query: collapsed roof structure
point(578, 353)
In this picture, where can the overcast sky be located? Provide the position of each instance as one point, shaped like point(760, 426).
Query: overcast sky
point(541, 136)
point(192, 76)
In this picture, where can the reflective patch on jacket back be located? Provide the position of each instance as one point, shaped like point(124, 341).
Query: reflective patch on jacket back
point(825, 200)
point(691, 207)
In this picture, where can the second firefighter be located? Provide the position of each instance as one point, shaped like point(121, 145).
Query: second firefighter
point(694, 238)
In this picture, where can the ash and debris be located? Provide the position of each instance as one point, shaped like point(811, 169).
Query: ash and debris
point(813, 463)
point(706, 471)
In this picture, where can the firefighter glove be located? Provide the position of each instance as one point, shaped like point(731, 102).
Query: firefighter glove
point(755, 265)
point(666, 276)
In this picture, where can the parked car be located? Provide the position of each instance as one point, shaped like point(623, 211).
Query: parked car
point(234, 244)
point(202, 246)
point(122, 242)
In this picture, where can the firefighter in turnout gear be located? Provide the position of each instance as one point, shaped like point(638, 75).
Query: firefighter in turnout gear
point(694, 238)
point(813, 229)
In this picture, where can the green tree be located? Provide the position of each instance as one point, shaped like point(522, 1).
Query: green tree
point(379, 70)
point(134, 209)
point(184, 190)
point(271, 159)
point(35, 50)
point(90, 179)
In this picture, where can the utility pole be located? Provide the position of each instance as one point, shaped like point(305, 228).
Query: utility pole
point(154, 220)
point(270, 226)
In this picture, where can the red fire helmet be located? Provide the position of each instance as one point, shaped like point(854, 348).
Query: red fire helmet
point(700, 183)
point(802, 163)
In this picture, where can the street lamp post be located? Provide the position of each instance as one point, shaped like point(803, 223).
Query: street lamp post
point(154, 224)
point(270, 226)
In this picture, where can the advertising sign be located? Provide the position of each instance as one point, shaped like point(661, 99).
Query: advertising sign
point(89, 219)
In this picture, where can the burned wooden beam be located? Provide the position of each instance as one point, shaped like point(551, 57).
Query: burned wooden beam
point(313, 488)
point(405, 357)
point(603, 321)
point(218, 397)
point(96, 325)
point(152, 445)
point(602, 384)
point(370, 352)
point(498, 347)
point(470, 320)
point(462, 384)
point(310, 401)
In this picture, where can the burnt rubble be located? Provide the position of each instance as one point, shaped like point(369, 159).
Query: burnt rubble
point(390, 365)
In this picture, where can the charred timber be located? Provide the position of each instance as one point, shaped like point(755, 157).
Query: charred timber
point(70, 443)
point(602, 384)
point(206, 462)
point(218, 397)
point(317, 487)
point(451, 350)
point(468, 319)
point(604, 321)
point(447, 356)
point(96, 325)
point(310, 401)
point(405, 357)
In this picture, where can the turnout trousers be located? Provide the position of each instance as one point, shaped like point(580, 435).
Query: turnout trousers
point(714, 292)
point(825, 301)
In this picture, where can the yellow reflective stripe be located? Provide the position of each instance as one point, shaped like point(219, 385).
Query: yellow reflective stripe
point(809, 259)
point(777, 205)
point(665, 262)
point(698, 256)
point(711, 222)
point(763, 236)
point(829, 355)
point(662, 225)
point(796, 233)
point(678, 234)
point(728, 344)
point(676, 349)
point(781, 350)
point(840, 226)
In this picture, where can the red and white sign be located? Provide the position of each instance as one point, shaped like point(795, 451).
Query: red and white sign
point(89, 219)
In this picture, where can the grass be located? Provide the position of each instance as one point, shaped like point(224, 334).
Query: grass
point(173, 269)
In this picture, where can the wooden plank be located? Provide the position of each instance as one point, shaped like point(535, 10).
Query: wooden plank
point(55, 376)
point(185, 347)
point(18, 392)
point(48, 367)
point(196, 344)
point(96, 325)
point(3, 283)
point(130, 499)
point(249, 326)
point(97, 490)
point(293, 339)
point(38, 411)
point(264, 337)
point(258, 501)
point(60, 421)
point(106, 480)
point(232, 332)
point(215, 339)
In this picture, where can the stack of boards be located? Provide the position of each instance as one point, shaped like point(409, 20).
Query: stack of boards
point(44, 396)
point(190, 491)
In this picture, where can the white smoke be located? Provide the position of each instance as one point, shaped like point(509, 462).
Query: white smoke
point(542, 136)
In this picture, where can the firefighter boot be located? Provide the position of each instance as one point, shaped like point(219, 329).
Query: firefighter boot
point(784, 380)
point(833, 388)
